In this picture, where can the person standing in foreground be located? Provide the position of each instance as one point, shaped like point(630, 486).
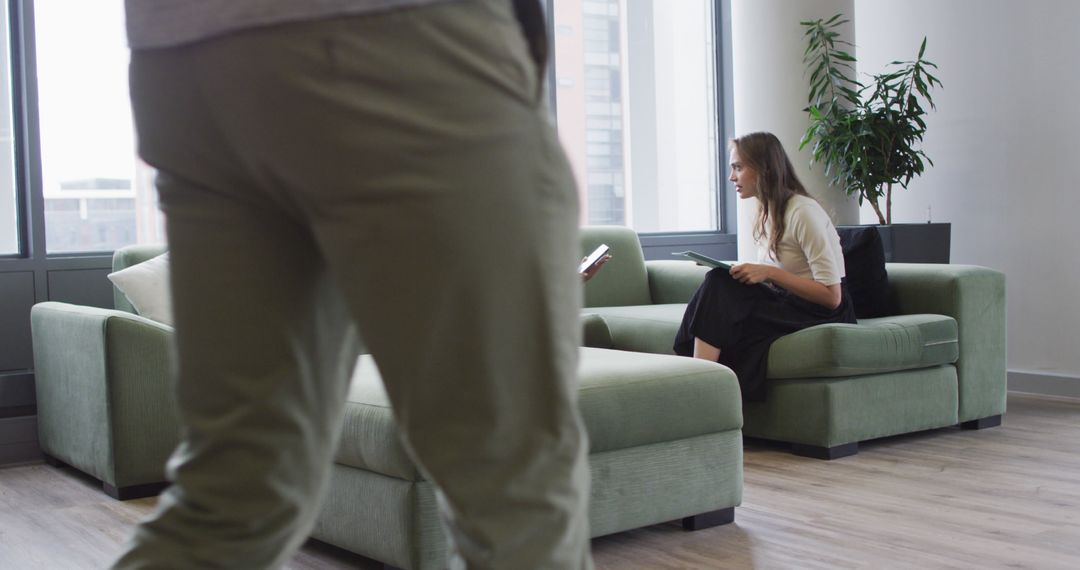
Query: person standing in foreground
point(375, 166)
point(735, 316)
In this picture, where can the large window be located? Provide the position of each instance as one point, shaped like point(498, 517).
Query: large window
point(98, 195)
point(636, 107)
point(636, 102)
point(9, 218)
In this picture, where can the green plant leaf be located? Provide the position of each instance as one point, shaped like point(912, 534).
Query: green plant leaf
point(864, 135)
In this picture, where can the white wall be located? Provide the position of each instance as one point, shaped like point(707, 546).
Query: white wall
point(1006, 152)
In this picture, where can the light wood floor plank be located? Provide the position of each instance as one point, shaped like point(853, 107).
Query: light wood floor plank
point(1006, 497)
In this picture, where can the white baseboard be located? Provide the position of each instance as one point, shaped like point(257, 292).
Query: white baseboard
point(1045, 384)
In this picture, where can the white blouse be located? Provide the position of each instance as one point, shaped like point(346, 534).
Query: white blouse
point(810, 247)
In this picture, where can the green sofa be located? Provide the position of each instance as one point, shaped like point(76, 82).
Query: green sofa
point(664, 444)
point(665, 432)
point(103, 400)
point(939, 362)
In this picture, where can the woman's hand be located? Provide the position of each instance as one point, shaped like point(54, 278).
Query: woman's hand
point(753, 273)
point(591, 271)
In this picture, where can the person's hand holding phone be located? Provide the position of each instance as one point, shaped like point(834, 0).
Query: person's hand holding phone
point(591, 264)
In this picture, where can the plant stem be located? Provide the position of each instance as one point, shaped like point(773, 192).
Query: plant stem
point(877, 210)
point(888, 203)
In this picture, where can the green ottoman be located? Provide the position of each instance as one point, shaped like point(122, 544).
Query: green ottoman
point(665, 444)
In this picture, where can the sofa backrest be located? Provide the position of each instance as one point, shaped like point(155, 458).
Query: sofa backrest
point(126, 257)
point(135, 254)
point(623, 280)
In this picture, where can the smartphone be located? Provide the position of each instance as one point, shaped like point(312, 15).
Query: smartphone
point(593, 258)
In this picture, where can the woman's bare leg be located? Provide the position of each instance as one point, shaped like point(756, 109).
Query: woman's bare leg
point(705, 351)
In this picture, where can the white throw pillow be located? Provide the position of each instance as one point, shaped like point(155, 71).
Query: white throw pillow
point(146, 285)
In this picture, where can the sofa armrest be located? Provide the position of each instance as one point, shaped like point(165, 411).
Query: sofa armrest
point(975, 297)
point(673, 281)
point(104, 396)
point(595, 332)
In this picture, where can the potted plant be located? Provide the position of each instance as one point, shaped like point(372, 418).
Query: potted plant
point(868, 136)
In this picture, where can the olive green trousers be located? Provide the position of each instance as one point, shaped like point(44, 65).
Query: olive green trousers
point(391, 176)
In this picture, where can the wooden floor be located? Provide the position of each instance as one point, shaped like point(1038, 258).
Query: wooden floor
point(1006, 497)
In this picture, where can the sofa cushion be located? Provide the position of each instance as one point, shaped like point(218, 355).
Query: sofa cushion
point(674, 281)
point(642, 328)
point(129, 256)
point(627, 399)
point(884, 344)
point(864, 266)
point(146, 287)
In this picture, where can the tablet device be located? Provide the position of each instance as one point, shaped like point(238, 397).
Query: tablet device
point(704, 259)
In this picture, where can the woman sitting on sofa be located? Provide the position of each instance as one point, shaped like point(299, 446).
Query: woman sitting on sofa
point(735, 316)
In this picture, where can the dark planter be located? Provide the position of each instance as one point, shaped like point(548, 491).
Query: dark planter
point(916, 243)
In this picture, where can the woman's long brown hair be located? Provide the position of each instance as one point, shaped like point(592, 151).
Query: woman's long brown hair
point(776, 183)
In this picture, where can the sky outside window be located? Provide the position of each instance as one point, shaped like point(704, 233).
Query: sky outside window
point(98, 195)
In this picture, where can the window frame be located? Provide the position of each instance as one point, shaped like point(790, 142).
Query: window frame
point(29, 200)
point(658, 244)
point(88, 268)
point(17, 383)
point(23, 200)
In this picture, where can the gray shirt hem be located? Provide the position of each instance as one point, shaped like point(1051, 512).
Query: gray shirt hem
point(169, 23)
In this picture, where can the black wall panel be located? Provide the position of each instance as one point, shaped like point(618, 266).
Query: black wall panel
point(16, 298)
point(81, 287)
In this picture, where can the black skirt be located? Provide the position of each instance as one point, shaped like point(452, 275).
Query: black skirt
point(744, 320)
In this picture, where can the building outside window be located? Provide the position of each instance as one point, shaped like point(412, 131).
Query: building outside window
point(636, 108)
point(98, 195)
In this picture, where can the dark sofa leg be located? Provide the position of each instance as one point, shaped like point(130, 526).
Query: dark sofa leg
point(133, 491)
point(982, 423)
point(50, 460)
point(710, 519)
point(819, 452)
